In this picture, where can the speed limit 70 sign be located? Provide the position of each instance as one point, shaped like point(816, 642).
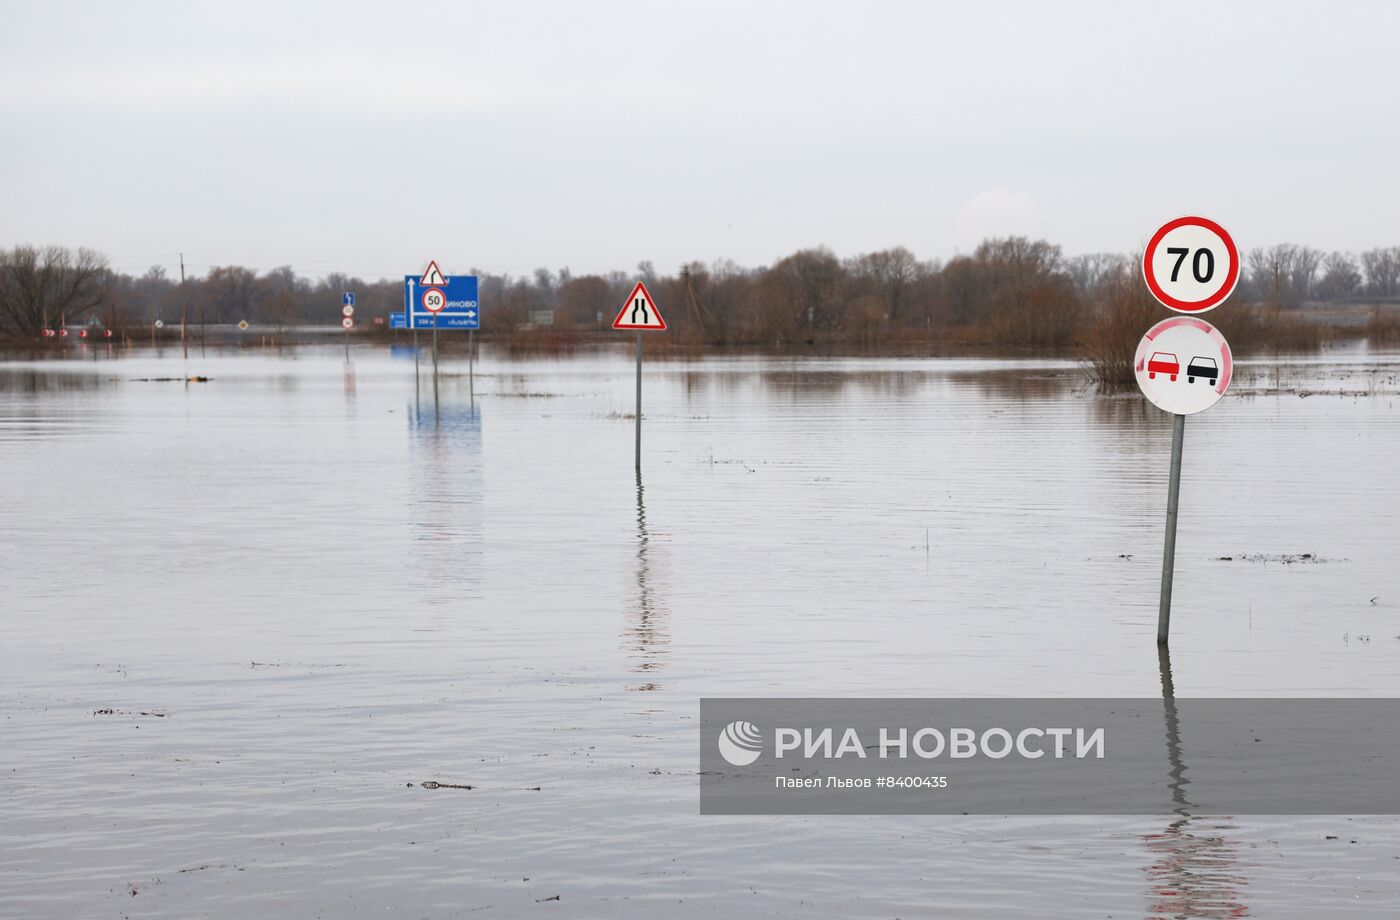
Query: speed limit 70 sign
point(1191, 264)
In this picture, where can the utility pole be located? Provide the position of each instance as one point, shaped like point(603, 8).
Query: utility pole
point(184, 308)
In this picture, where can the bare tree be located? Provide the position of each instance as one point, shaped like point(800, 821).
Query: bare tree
point(1092, 271)
point(889, 274)
point(1268, 273)
point(1340, 278)
point(1122, 309)
point(1304, 270)
point(582, 299)
point(43, 286)
point(228, 293)
point(1382, 270)
point(800, 296)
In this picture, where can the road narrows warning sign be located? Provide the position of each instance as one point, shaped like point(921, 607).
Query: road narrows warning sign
point(639, 312)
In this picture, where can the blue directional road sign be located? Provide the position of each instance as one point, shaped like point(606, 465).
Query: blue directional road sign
point(347, 299)
point(462, 312)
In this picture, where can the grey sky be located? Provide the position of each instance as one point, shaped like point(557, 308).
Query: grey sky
point(369, 137)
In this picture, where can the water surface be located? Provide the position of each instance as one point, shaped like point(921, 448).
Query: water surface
point(246, 619)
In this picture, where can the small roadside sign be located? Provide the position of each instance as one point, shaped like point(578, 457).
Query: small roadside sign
point(347, 322)
point(243, 325)
point(1191, 264)
point(639, 312)
point(347, 310)
point(347, 299)
point(432, 275)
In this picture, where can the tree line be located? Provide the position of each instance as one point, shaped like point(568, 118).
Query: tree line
point(1009, 292)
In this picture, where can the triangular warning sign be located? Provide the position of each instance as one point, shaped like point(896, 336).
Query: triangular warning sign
point(639, 312)
point(433, 276)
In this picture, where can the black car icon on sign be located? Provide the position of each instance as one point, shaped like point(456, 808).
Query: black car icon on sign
point(1202, 367)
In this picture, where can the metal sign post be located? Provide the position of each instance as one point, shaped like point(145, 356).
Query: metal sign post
point(1164, 606)
point(1183, 365)
point(639, 312)
point(434, 301)
point(347, 310)
point(446, 302)
point(639, 403)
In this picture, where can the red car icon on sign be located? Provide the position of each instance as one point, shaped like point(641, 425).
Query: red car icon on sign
point(1162, 362)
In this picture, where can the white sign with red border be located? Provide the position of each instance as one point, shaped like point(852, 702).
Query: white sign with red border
point(1183, 365)
point(434, 300)
point(432, 275)
point(639, 312)
point(1191, 264)
point(347, 322)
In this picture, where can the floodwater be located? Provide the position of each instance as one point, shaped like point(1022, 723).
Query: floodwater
point(249, 623)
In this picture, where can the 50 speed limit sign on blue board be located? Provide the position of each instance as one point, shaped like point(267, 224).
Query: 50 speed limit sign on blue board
point(1191, 264)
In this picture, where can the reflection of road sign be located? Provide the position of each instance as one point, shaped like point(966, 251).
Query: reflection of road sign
point(347, 299)
point(1191, 264)
point(347, 322)
point(1183, 365)
point(434, 300)
point(243, 324)
point(639, 312)
point(432, 277)
point(347, 310)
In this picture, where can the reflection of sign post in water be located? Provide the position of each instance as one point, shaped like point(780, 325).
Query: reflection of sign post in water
point(639, 313)
point(1183, 364)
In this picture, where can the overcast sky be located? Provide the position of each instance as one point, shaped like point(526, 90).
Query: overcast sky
point(370, 137)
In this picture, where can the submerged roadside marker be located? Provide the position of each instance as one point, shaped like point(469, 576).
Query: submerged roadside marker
point(1183, 364)
point(639, 313)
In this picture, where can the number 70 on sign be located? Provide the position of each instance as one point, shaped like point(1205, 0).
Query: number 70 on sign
point(1191, 264)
